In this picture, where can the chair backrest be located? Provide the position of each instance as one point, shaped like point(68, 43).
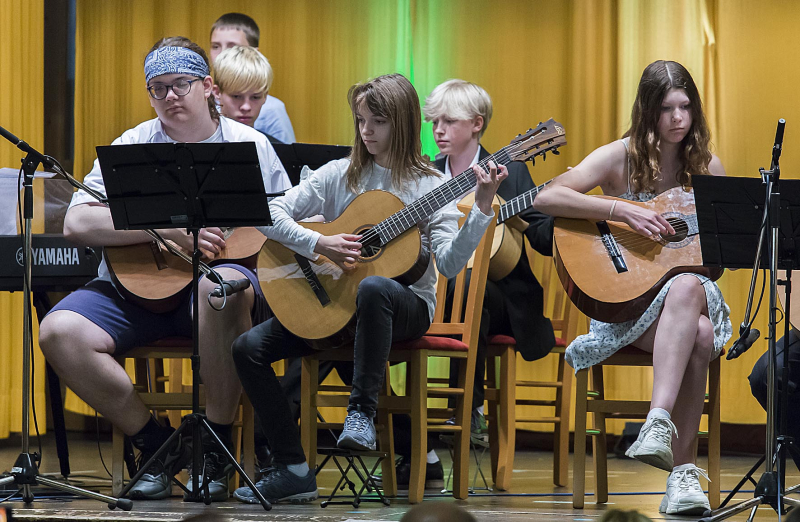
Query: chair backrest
point(465, 314)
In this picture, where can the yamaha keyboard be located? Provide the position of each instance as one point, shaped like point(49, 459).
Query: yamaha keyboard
point(58, 264)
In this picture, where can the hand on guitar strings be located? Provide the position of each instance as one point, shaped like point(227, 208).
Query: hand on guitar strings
point(211, 241)
point(643, 221)
point(488, 184)
point(342, 249)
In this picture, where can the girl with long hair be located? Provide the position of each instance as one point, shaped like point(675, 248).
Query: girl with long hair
point(386, 156)
point(687, 324)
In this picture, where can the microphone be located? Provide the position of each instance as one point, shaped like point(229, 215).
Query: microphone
point(21, 145)
point(230, 287)
point(743, 343)
point(776, 149)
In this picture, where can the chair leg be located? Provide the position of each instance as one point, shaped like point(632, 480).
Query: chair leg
point(493, 416)
point(386, 443)
point(117, 461)
point(579, 463)
point(561, 432)
point(248, 434)
point(508, 418)
point(418, 390)
point(309, 375)
point(714, 433)
point(175, 386)
point(600, 441)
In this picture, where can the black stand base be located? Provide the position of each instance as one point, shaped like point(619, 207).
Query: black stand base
point(363, 473)
point(25, 474)
point(196, 423)
point(770, 490)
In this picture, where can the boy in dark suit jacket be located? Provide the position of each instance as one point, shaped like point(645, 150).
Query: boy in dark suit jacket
point(460, 112)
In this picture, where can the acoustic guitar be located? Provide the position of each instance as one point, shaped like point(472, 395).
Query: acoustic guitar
point(316, 299)
point(507, 242)
point(150, 276)
point(612, 273)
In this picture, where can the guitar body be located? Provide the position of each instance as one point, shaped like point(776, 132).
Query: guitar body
point(291, 297)
point(506, 243)
point(148, 275)
point(591, 279)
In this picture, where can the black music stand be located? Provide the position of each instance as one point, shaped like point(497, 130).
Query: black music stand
point(732, 220)
point(295, 156)
point(191, 186)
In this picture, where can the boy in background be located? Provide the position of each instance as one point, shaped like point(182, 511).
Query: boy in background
point(232, 29)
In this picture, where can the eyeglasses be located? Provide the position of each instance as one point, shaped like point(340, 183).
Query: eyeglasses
point(180, 88)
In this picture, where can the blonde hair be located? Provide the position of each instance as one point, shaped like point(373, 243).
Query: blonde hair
point(242, 69)
point(393, 97)
point(460, 100)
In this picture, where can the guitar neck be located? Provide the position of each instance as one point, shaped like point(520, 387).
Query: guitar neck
point(514, 206)
point(430, 203)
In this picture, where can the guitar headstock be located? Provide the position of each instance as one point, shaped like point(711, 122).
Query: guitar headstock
point(546, 137)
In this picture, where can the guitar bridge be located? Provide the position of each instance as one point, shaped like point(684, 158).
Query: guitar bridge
point(312, 279)
point(610, 242)
point(158, 255)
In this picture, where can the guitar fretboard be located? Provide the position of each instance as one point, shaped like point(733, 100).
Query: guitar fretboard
point(427, 205)
point(514, 206)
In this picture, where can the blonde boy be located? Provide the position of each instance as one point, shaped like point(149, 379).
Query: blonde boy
point(242, 78)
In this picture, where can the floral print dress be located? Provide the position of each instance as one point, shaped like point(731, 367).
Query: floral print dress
point(604, 339)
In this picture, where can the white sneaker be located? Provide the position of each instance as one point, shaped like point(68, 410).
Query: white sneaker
point(654, 444)
point(684, 494)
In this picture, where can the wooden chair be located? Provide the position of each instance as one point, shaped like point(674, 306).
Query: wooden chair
point(502, 394)
point(167, 395)
point(455, 339)
point(594, 401)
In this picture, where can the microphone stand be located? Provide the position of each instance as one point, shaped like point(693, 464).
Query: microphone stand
point(25, 472)
point(770, 488)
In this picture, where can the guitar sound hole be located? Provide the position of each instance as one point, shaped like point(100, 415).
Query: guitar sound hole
point(681, 231)
point(370, 244)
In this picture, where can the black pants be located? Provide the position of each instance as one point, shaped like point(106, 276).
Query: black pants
point(758, 385)
point(386, 311)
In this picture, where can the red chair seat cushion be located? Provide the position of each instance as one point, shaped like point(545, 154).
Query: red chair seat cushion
point(432, 342)
point(506, 340)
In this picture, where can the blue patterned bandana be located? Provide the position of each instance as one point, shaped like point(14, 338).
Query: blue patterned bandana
point(174, 60)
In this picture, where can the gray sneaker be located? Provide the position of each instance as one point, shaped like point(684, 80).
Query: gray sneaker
point(218, 471)
point(281, 485)
point(358, 432)
point(156, 483)
point(654, 444)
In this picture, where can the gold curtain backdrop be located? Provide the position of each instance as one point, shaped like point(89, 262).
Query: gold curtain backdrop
point(22, 113)
point(578, 61)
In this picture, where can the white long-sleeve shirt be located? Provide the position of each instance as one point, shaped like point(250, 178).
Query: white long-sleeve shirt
point(151, 131)
point(325, 192)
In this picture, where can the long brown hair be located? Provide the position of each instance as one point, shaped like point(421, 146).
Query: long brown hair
point(182, 41)
point(393, 97)
point(645, 151)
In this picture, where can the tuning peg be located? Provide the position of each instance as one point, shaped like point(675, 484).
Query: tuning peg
point(529, 130)
point(533, 160)
point(544, 155)
point(540, 123)
point(556, 152)
point(519, 135)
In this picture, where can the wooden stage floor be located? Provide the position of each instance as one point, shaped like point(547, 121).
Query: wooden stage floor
point(533, 497)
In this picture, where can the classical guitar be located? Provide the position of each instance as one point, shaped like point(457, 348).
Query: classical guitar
point(316, 299)
point(150, 276)
point(507, 242)
point(612, 273)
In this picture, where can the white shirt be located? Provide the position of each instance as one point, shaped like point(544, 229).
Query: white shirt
point(151, 131)
point(325, 192)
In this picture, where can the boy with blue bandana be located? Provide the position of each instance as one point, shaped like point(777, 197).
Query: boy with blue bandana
point(81, 336)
